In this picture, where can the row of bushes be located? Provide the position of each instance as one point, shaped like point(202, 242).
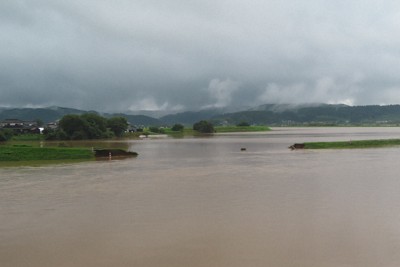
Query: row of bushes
point(94, 126)
point(79, 127)
point(6, 134)
point(201, 126)
point(87, 126)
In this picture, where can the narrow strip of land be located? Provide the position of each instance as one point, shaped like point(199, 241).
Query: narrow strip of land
point(352, 144)
point(26, 153)
point(238, 129)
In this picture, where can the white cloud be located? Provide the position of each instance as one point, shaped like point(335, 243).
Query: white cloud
point(150, 104)
point(164, 54)
point(323, 90)
point(293, 93)
point(221, 92)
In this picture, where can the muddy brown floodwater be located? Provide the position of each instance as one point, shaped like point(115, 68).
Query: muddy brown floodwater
point(204, 202)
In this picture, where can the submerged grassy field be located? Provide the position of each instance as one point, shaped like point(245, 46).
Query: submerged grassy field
point(218, 129)
point(27, 153)
point(237, 129)
point(353, 144)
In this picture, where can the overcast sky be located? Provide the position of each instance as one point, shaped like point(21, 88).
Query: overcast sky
point(190, 54)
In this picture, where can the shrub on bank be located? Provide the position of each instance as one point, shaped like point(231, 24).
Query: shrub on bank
point(5, 135)
point(204, 127)
point(87, 126)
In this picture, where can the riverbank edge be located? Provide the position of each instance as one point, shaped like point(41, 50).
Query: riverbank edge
point(241, 129)
point(21, 153)
point(375, 143)
point(28, 153)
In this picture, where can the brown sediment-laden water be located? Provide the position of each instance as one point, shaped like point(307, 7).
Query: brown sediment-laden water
point(204, 202)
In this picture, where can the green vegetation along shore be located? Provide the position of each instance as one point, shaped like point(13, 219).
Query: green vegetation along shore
point(237, 129)
point(353, 144)
point(204, 128)
point(27, 153)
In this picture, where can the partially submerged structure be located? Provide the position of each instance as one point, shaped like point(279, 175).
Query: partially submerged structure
point(297, 146)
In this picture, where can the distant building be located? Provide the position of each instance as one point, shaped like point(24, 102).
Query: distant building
point(20, 126)
point(11, 123)
point(52, 125)
point(134, 128)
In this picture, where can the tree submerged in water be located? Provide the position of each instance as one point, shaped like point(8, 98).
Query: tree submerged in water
point(87, 126)
point(177, 127)
point(118, 125)
point(203, 127)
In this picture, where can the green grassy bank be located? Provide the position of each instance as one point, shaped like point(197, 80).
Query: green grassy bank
point(238, 129)
point(190, 132)
point(26, 153)
point(353, 144)
point(185, 132)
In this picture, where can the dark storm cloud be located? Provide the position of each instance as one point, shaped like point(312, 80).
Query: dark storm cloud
point(180, 54)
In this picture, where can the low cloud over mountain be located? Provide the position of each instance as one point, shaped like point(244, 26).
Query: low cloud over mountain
point(186, 55)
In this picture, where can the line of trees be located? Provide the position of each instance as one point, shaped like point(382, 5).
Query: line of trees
point(87, 126)
point(93, 126)
point(203, 127)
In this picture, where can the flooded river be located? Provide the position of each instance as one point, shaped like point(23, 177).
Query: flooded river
point(204, 202)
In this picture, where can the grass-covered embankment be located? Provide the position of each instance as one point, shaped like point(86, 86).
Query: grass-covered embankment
point(27, 137)
point(353, 144)
point(185, 132)
point(199, 129)
point(239, 129)
point(26, 153)
point(218, 129)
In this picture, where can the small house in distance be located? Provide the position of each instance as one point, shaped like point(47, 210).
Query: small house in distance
point(134, 128)
point(20, 126)
point(52, 125)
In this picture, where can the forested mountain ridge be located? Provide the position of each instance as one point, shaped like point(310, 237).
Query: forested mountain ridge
point(268, 114)
point(52, 114)
point(46, 115)
point(320, 114)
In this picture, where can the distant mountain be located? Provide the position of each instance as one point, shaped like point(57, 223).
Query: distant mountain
point(314, 114)
point(268, 114)
point(285, 107)
point(51, 114)
point(190, 117)
point(166, 115)
point(30, 114)
point(149, 113)
point(137, 119)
